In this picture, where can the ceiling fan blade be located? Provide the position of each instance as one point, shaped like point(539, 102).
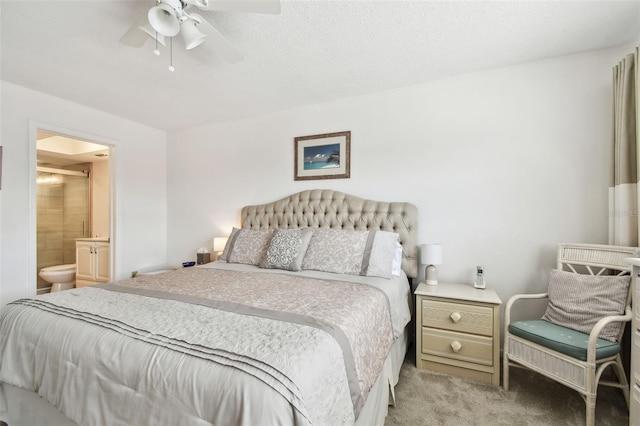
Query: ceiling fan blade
point(218, 43)
point(135, 37)
point(140, 32)
point(254, 6)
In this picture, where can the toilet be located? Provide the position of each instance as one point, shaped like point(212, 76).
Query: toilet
point(61, 277)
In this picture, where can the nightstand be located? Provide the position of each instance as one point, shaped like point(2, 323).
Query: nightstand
point(458, 331)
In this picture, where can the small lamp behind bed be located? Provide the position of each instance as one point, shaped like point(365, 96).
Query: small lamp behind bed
point(431, 255)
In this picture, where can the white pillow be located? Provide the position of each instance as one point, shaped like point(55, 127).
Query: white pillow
point(396, 265)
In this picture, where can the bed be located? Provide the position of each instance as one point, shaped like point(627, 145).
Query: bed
point(305, 320)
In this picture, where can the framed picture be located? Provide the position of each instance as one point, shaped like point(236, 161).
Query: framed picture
point(322, 156)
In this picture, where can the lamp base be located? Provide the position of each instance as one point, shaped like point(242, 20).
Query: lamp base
point(431, 275)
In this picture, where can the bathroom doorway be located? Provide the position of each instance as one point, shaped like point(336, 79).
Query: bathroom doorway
point(73, 198)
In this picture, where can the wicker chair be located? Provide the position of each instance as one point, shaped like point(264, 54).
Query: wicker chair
point(590, 355)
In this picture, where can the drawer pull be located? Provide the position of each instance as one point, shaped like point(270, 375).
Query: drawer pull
point(455, 317)
point(456, 346)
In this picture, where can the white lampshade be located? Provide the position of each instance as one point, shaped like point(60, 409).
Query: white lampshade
point(191, 35)
point(219, 243)
point(163, 19)
point(431, 254)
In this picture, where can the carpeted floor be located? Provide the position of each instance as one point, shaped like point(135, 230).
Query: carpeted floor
point(426, 398)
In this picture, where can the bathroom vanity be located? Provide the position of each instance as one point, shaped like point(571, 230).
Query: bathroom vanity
point(92, 261)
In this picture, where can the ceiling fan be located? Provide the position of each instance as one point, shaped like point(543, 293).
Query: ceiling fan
point(168, 18)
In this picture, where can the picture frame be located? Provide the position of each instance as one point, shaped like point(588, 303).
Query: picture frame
point(325, 156)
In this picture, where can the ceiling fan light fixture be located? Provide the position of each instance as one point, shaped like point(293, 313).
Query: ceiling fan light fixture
point(191, 34)
point(167, 18)
point(164, 20)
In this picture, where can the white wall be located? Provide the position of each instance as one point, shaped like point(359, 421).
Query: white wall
point(100, 212)
point(502, 165)
point(140, 236)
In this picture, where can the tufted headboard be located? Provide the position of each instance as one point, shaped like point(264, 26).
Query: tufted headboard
point(321, 208)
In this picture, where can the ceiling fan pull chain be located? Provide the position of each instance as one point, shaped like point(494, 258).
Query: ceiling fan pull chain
point(171, 68)
point(156, 51)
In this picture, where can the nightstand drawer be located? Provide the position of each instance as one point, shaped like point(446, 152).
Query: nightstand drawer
point(458, 317)
point(460, 346)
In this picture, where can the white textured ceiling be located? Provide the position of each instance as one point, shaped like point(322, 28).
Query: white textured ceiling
point(313, 52)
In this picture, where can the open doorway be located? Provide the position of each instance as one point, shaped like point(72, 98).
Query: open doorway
point(73, 214)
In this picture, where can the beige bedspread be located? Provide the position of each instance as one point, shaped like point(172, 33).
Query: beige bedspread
point(195, 345)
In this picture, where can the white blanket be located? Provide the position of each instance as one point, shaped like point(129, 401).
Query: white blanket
point(101, 364)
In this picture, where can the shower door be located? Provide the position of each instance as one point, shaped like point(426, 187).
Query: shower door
point(63, 214)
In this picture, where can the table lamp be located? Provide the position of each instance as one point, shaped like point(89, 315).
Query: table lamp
point(431, 255)
point(218, 245)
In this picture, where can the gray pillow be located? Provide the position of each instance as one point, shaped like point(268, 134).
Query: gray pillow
point(287, 249)
point(578, 301)
point(378, 262)
point(351, 252)
point(336, 250)
point(227, 247)
point(247, 246)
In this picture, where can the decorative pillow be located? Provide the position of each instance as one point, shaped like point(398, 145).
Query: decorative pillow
point(336, 250)
point(380, 257)
point(351, 252)
point(287, 249)
point(247, 246)
point(227, 247)
point(578, 301)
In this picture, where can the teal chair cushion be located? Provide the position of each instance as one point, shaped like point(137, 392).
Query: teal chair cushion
point(561, 339)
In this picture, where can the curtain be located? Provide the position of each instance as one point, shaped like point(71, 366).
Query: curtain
point(623, 183)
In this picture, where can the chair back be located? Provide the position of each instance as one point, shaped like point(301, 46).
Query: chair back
point(597, 259)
